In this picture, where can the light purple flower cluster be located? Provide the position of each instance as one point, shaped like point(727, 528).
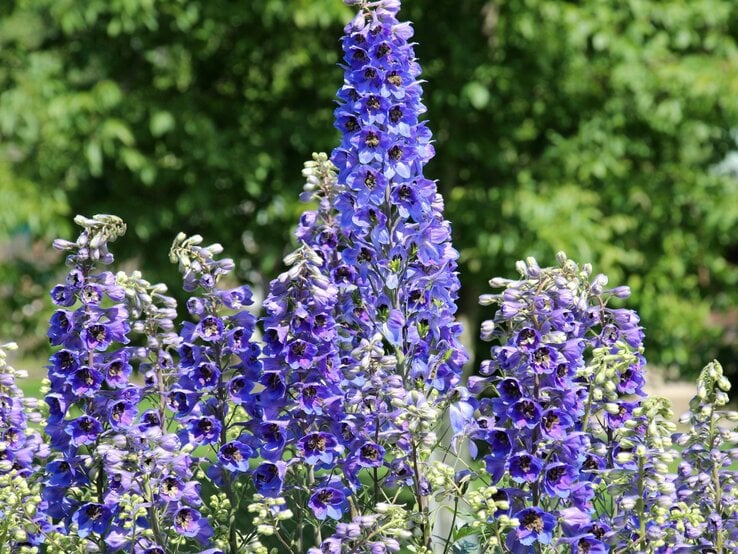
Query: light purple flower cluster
point(112, 459)
point(550, 428)
point(300, 401)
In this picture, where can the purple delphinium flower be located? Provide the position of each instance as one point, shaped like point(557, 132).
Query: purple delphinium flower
point(22, 453)
point(553, 428)
point(706, 483)
point(535, 526)
point(328, 502)
point(92, 518)
point(384, 251)
point(190, 523)
point(89, 332)
point(104, 448)
point(216, 373)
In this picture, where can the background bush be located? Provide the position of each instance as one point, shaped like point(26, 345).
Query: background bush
point(595, 127)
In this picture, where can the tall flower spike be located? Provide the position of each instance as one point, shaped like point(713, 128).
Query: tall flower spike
point(218, 368)
point(92, 402)
point(390, 259)
point(156, 470)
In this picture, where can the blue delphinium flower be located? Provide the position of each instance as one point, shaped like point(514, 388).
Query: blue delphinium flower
point(564, 377)
point(90, 337)
point(386, 249)
point(111, 457)
point(218, 373)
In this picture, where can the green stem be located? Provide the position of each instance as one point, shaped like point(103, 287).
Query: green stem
point(716, 484)
point(451, 528)
point(420, 499)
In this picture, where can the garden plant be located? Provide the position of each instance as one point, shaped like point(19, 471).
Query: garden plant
point(339, 418)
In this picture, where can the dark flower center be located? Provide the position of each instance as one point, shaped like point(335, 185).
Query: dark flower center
point(404, 192)
point(210, 327)
point(272, 431)
point(562, 370)
point(370, 180)
point(351, 124)
point(395, 114)
point(118, 411)
point(533, 522)
point(527, 337)
point(359, 55)
point(364, 256)
point(114, 369)
point(525, 463)
point(372, 140)
point(299, 348)
point(395, 152)
point(86, 424)
point(370, 452)
point(383, 50)
point(542, 356)
point(205, 425)
point(170, 486)
point(231, 451)
point(394, 78)
point(554, 474)
point(309, 392)
point(86, 377)
point(510, 388)
point(89, 294)
point(528, 409)
point(550, 421)
point(370, 73)
point(316, 442)
point(94, 511)
point(98, 332)
point(372, 103)
point(584, 545)
point(325, 496)
point(66, 360)
point(184, 518)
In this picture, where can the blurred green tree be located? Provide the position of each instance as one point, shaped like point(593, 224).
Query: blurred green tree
point(596, 127)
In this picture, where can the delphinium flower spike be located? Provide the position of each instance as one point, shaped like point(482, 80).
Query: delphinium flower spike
point(300, 397)
point(22, 451)
point(88, 404)
point(218, 369)
point(396, 269)
point(706, 483)
point(565, 376)
point(156, 474)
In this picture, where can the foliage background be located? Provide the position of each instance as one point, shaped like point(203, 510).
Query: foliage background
point(601, 128)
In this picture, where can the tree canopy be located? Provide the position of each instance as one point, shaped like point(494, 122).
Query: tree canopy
point(594, 127)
